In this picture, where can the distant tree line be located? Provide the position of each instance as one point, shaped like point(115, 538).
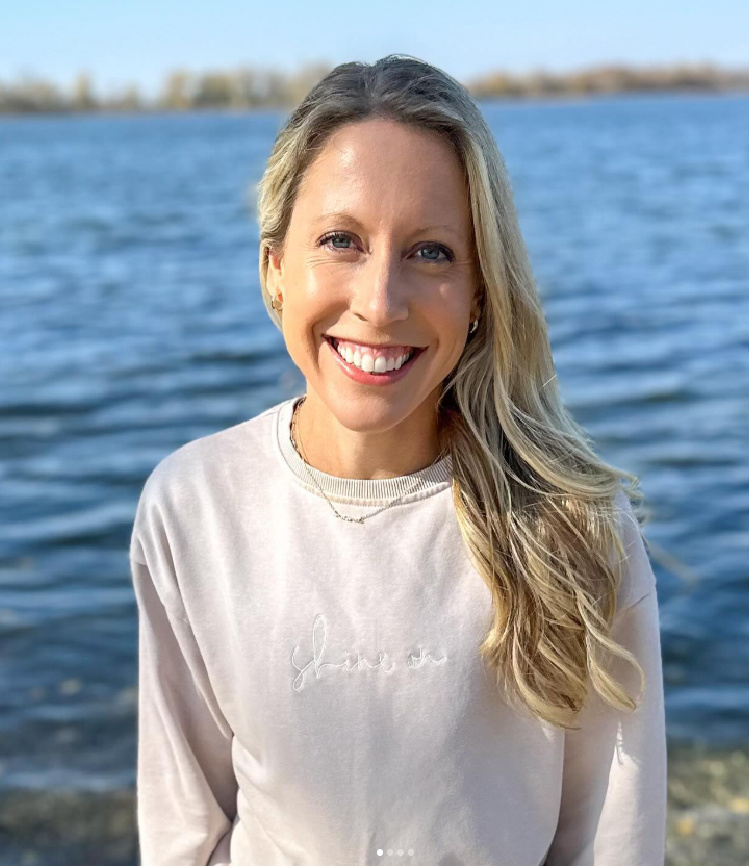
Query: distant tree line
point(180, 91)
point(606, 79)
point(246, 87)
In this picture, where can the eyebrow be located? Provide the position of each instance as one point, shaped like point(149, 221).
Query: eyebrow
point(345, 215)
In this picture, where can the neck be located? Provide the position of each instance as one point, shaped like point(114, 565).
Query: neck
point(402, 449)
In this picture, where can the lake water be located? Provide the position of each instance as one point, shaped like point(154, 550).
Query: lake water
point(131, 321)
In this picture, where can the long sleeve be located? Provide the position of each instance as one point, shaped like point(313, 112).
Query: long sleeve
point(613, 808)
point(186, 787)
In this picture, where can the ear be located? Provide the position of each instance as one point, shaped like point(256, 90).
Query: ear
point(274, 274)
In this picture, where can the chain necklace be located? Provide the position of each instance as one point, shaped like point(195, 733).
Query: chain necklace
point(306, 466)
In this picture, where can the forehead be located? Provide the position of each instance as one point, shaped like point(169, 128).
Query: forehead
point(378, 169)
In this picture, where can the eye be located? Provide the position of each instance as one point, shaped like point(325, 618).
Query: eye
point(440, 248)
point(335, 236)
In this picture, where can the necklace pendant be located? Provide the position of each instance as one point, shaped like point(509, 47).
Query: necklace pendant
point(352, 519)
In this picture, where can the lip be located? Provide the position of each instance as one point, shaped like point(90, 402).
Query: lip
point(353, 372)
point(373, 345)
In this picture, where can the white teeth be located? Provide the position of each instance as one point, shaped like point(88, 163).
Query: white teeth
point(366, 363)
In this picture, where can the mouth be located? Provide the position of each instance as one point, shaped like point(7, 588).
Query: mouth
point(373, 377)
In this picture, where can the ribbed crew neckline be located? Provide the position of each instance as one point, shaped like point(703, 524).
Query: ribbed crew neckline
point(366, 491)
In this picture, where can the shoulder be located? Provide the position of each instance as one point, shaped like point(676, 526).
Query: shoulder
point(211, 462)
point(247, 443)
point(637, 576)
point(244, 446)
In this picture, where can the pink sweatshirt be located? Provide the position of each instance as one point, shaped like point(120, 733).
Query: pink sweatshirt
point(310, 691)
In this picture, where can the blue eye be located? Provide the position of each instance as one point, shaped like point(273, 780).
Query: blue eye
point(444, 250)
point(332, 236)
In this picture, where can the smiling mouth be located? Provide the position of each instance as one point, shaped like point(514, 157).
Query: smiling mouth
point(413, 354)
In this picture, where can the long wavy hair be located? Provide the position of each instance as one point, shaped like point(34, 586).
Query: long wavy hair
point(535, 504)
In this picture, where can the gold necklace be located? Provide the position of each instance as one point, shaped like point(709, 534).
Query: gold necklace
point(294, 434)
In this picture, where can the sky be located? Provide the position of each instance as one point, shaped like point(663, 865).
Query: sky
point(139, 41)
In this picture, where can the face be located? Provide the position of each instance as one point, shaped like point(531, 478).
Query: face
point(379, 250)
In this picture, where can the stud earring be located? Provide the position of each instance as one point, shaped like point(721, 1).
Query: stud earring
point(273, 304)
point(474, 325)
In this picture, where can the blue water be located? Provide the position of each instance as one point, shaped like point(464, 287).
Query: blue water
point(131, 321)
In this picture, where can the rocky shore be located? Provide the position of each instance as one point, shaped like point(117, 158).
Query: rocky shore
point(708, 807)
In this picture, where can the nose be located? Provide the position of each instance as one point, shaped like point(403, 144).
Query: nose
point(381, 293)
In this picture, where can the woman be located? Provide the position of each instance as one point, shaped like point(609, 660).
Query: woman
point(410, 614)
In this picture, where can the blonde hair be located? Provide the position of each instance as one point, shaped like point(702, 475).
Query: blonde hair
point(535, 504)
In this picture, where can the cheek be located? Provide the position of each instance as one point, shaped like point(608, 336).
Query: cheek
point(318, 290)
point(307, 316)
point(449, 317)
point(447, 324)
